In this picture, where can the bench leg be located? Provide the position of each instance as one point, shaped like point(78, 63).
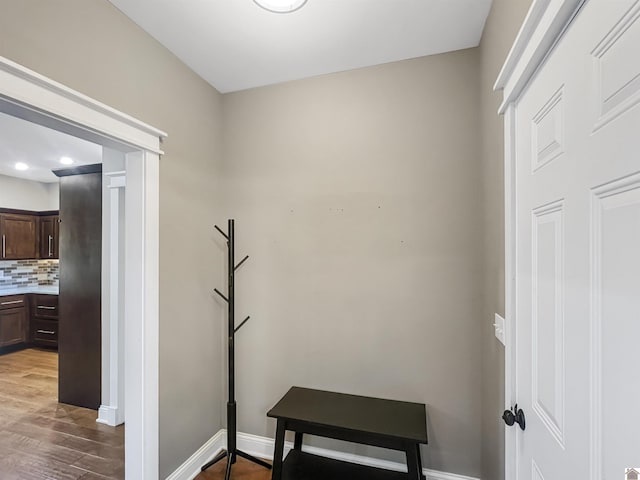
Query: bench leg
point(279, 450)
point(420, 463)
point(297, 444)
point(413, 462)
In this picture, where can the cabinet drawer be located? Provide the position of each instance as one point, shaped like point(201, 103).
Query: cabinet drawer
point(45, 306)
point(12, 301)
point(45, 332)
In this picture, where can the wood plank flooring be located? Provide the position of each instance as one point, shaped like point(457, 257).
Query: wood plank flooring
point(242, 470)
point(43, 439)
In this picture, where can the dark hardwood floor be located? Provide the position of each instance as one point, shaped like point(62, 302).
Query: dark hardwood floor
point(242, 470)
point(42, 439)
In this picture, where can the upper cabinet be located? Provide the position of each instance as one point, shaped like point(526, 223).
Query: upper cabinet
point(49, 228)
point(19, 236)
point(28, 235)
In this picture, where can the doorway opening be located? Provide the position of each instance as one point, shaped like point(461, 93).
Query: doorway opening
point(27, 95)
point(50, 305)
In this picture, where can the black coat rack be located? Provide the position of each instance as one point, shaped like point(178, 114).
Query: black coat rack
point(232, 451)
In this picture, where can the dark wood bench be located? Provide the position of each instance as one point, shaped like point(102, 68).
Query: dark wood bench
point(371, 421)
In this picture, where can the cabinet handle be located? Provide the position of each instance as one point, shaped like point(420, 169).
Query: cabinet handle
point(44, 307)
point(47, 332)
point(4, 246)
point(13, 302)
point(50, 242)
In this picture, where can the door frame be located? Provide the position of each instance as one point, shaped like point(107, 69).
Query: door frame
point(544, 25)
point(36, 98)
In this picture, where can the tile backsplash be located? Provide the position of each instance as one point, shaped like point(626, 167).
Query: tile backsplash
point(29, 273)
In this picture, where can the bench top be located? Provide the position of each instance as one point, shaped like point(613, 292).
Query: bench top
point(387, 418)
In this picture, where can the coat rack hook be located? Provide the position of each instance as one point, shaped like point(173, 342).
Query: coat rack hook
point(221, 232)
point(241, 262)
point(221, 294)
point(241, 324)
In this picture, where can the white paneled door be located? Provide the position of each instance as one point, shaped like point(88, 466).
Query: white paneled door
point(577, 224)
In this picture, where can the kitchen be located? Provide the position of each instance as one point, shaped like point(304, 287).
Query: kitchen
point(50, 306)
point(29, 275)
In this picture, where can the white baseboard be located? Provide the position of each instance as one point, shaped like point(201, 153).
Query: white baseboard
point(262, 447)
point(206, 452)
point(109, 416)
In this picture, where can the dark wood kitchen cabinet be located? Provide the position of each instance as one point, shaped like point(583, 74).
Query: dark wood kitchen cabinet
point(13, 320)
point(44, 320)
point(49, 236)
point(19, 236)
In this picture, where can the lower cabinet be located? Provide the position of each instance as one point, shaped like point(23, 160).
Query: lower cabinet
point(14, 322)
point(44, 320)
point(30, 319)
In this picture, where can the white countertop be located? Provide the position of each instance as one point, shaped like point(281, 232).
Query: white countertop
point(44, 290)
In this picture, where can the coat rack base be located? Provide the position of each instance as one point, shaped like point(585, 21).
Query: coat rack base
point(231, 459)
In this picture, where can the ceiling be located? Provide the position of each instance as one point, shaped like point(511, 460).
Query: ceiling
point(235, 45)
point(41, 149)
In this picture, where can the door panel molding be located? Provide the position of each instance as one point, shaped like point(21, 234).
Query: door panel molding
point(619, 193)
point(549, 410)
point(617, 69)
point(547, 131)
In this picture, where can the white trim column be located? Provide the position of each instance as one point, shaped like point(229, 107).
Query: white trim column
point(111, 411)
point(141, 317)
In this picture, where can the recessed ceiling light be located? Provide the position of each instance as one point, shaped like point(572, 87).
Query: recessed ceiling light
point(21, 166)
point(281, 6)
point(66, 161)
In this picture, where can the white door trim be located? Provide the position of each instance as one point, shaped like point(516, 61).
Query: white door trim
point(543, 26)
point(510, 324)
point(29, 95)
point(70, 111)
point(141, 302)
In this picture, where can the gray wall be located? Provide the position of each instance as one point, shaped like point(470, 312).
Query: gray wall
point(28, 195)
point(358, 197)
point(90, 46)
point(501, 28)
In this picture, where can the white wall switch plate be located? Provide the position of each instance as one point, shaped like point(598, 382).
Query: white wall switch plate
point(499, 326)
